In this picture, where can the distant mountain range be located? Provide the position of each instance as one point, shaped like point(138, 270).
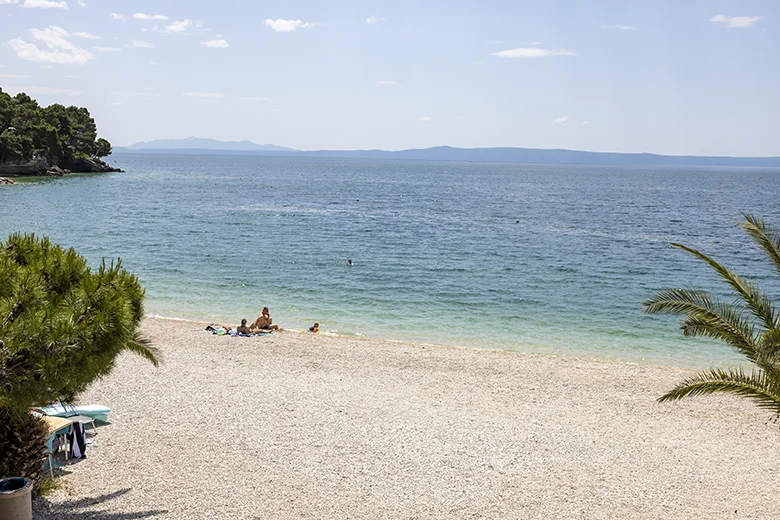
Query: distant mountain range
point(197, 143)
point(194, 145)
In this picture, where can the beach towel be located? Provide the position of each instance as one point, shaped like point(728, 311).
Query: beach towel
point(78, 441)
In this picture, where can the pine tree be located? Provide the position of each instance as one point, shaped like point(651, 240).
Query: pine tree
point(62, 325)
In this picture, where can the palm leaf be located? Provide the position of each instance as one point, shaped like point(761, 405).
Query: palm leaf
point(756, 386)
point(756, 300)
point(769, 348)
point(765, 236)
point(706, 316)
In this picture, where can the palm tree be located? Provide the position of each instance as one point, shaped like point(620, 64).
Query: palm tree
point(750, 325)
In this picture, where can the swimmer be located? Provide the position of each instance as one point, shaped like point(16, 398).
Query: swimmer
point(349, 262)
point(315, 327)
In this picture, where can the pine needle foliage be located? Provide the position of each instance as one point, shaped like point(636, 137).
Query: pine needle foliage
point(750, 324)
point(62, 325)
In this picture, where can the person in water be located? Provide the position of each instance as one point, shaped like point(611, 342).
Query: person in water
point(315, 328)
point(264, 321)
point(243, 329)
point(349, 262)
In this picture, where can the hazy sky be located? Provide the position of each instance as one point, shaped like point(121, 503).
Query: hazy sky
point(678, 77)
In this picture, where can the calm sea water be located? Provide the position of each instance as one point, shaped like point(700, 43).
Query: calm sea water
point(551, 259)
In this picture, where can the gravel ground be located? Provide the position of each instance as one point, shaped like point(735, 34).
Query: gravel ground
point(314, 426)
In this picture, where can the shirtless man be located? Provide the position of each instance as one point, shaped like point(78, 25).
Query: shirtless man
point(243, 329)
point(264, 321)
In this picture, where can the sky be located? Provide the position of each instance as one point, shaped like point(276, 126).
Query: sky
point(694, 77)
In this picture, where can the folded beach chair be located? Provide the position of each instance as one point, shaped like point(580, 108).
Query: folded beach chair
point(58, 428)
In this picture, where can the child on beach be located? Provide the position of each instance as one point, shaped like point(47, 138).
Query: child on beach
point(315, 328)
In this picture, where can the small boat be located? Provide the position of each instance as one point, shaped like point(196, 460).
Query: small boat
point(95, 411)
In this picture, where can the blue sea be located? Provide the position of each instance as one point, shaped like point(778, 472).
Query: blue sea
point(533, 258)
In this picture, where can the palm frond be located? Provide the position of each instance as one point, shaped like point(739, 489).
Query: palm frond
point(755, 299)
point(769, 348)
point(142, 346)
point(713, 326)
point(706, 316)
point(765, 236)
point(678, 301)
point(765, 391)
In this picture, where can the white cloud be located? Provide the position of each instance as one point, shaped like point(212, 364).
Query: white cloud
point(216, 44)
point(86, 35)
point(144, 16)
point(117, 16)
point(563, 120)
point(8, 2)
point(82, 3)
point(14, 76)
point(44, 4)
point(58, 48)
point(287, 25)
point(179, 27)
point(585, 123)
point(736, 21)
point(140, 44)
point(155, 63)
point(531, 52)
point(251, 98)
point(374, 19)
point(34, 89)
point(621, 27)
point(211, 95)
point(387, 82)
point(425, 119)
point(73, 77)
point(107, 49)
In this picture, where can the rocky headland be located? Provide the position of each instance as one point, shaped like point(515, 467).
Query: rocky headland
point(43, 167)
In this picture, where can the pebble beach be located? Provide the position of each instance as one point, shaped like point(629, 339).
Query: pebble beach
point(298, 425)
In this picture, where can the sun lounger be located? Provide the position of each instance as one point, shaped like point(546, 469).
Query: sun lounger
point(94, 411)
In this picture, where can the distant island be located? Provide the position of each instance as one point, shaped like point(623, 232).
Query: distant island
point(52, 140)
point(195, 145)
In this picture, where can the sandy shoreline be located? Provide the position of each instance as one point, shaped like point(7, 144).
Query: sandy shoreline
point(315, 426)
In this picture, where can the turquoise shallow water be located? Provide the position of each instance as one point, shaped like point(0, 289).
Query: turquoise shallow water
point(552, 259)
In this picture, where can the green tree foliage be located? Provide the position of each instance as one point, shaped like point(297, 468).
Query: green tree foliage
point(750, 325)
point(62, 325)
point(57, 133)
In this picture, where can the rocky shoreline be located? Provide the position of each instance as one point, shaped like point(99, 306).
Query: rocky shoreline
point(42, 167)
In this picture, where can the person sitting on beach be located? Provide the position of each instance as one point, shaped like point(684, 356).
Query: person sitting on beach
point(315, 328)
point(264, 321)
point(243, 329)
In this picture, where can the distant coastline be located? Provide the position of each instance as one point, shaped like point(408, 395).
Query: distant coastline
point(448, 153)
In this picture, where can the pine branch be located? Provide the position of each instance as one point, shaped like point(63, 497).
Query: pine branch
point(142, 346)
